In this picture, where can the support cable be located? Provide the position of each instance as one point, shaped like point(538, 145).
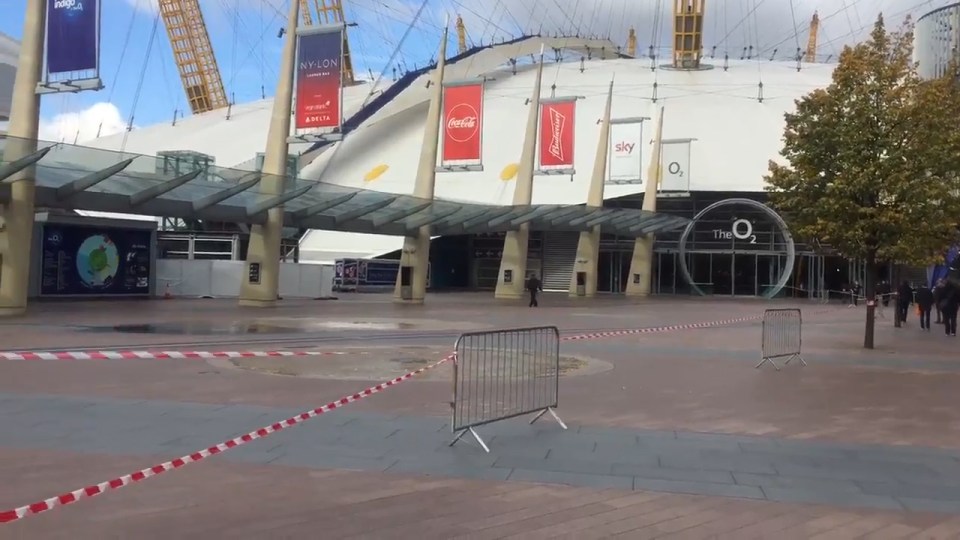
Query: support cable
point(143, 76)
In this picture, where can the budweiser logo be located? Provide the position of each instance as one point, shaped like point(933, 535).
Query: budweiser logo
point(557, 122)
point(463, 123)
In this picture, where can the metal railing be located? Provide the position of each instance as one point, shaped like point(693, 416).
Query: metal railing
point(781, 336)
point(503, 374)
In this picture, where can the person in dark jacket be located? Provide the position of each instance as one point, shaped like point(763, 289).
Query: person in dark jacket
point(925, 304)
point(937, 293)
point(949, 305)
point(534, 286)
point(904, 299)
point(883, 290)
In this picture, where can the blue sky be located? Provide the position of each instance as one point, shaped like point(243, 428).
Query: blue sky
point(244, 36)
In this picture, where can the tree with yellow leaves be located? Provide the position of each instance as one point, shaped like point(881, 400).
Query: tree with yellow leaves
point(874, 161)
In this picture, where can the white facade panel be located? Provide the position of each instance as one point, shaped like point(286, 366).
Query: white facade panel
point(936, 41)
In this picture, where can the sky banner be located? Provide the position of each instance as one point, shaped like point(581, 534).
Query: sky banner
point(626, 152)
point(557, 130)
point(319, 88)
point(462, 123)
point(73, 35)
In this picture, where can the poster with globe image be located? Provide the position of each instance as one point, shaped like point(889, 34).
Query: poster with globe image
point(88, 261)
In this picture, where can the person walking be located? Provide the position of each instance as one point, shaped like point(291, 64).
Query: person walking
point(949, 305)
point(937, 293)
point(534, 286)
point(924, 305)
point(904, 300)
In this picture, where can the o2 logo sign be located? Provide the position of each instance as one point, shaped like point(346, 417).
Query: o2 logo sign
point(741, 229)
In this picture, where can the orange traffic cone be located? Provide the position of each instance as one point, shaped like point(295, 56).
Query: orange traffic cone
point(166, 292)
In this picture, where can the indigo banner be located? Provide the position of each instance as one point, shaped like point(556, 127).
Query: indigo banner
point(319, 60)
point(73, 35)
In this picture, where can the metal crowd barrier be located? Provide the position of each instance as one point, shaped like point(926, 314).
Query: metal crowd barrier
point(781, 336)
point(504, 374)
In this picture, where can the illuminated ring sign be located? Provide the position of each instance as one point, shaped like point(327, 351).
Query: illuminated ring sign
point(742, 230)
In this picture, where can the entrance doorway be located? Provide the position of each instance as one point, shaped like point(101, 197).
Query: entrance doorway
point(730, 273)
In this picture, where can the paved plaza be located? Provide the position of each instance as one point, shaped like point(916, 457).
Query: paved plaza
point(671, 434)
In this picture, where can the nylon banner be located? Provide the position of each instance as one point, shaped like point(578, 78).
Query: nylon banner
point(626, 152)
point(462, 124)
point(557, 128)
point(73, 35)
point(319, 77)
point(675, 165)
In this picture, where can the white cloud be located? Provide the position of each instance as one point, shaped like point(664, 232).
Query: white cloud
point(100, 119)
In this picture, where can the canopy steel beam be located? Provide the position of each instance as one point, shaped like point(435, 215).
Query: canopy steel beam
point(598, 212)
point(651, 225)
point(315, 209)
point(488, 216)
point(8, 170)
point(430, 219)
point(610, 218)
point(363, 210)
point(90, 180)
point(565, 215)
point(224, 194)
point(274, 202)
point(496, 222)
point(532, 215)
point(459, 227)
point(153, 192)
point(400, 214)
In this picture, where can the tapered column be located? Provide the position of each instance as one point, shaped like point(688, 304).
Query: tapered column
point(641, 264)
point(588, 247)
point(17, 216)
point(411, 286)
point(260, 285)
point(513, 262)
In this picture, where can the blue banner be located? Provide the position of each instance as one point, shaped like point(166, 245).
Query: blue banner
point(72, 35)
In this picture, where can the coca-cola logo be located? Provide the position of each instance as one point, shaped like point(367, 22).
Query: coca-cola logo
point(463, 123)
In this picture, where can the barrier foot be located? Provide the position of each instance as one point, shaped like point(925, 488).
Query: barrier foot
point(475, 436)
point(552, 413)
point(798, 357)
point(764, 361)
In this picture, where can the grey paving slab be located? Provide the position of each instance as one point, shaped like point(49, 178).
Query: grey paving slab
point(930, 505)
point(698, 463)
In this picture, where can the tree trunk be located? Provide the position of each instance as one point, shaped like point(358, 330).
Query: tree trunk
point(870, 295)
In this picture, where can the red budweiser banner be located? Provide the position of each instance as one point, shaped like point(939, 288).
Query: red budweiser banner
point(319, 57)
point(557, 133)
point(462, 123)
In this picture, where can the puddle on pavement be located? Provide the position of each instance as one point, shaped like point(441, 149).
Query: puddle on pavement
point(271, 326)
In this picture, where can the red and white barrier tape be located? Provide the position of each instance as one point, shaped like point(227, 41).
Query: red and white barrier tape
point(658, 329)
point(116, 483)
point(160, 355)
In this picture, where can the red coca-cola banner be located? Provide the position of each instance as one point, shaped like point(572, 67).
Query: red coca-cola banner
point(462, 123)
point(556, 140)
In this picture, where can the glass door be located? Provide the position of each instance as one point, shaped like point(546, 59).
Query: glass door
point(745, 274)
point(722, 274)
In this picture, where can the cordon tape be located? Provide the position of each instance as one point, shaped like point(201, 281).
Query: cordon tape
point(87, 492)
point(160, 355)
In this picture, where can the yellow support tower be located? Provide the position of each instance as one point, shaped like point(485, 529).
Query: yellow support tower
point(331, 12)
point(305, 13)
point(632, 43)
point(812, 40)
point(461, 35)
point(193, 54)
point(687, 33)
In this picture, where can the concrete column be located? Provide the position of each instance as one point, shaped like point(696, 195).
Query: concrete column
point(416, 248)
point(641, 265)
point(264, 246)
point(515, 244)
point(588, 247)
point(17, 216)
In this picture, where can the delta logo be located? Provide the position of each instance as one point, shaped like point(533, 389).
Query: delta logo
point(68, 5)
point(624, 148)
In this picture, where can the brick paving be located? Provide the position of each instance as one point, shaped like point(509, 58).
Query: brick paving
point(221, 499)
point(898, 398)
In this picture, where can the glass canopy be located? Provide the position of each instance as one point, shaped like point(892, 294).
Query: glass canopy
point(82, 178)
